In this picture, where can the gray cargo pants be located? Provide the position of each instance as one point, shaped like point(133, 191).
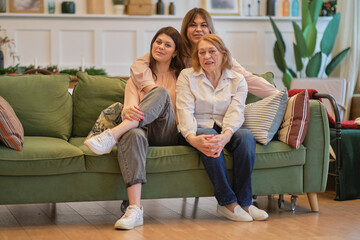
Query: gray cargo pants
point(157, 129)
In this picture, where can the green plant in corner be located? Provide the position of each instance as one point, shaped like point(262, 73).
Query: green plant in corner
point(307, 62)
point(10, 43)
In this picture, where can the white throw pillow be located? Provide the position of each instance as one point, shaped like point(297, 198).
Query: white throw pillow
point(263, 118)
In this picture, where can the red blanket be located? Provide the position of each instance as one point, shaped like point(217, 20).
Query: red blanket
point(344, 124)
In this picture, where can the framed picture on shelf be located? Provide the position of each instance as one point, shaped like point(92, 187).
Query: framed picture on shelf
point(27, 6)
point(222, 7)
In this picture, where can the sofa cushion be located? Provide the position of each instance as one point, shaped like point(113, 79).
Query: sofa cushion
point(269, 76)
point(41, 156)
point(179, 158)
point(11, 130)
point(276, 154)
point(158, 159)
point(42, 103)
point(264, 117)
point(91, 95)
point(296, 119)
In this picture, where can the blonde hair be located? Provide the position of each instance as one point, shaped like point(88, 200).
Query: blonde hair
point(220, 46)
point(189, 18)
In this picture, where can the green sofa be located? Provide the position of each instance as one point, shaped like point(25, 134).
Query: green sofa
point(55, 166)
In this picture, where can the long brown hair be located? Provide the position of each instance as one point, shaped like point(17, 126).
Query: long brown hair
point(189, 18)
point(220, 46)
point(176, 64)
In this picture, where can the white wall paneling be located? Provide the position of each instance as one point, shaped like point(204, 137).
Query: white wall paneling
point(113, 42)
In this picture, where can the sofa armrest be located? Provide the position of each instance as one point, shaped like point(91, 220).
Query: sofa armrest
point(317, 142)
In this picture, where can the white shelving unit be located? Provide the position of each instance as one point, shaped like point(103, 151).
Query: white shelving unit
point(113, 42)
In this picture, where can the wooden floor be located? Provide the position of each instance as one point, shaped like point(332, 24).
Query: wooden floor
point(181, 219)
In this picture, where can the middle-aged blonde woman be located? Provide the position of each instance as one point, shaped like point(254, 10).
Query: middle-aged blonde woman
point(197, 23)
point(210, 102)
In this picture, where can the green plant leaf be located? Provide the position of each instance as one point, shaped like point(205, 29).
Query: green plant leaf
point(335, 61)
point(286, 79)
point(310, 34)
point(278, 36)
point(279, 57)
point(305, 15)
point(298, 59)
point(314, 65)
point(300, 40)
point(293, 73)
point(328, 39)
point(315, 8)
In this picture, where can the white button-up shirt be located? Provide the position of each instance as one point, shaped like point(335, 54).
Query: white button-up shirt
point(199, 104)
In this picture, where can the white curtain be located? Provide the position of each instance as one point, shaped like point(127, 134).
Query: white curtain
point(349, 36)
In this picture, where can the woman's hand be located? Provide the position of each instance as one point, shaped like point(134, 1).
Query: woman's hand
point(210, 145)
point(221, 140)
point(202, 143)
point(132, 113)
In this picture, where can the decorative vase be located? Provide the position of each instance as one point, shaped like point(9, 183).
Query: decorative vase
point(295, 8)
point(1, 59)
point(160, 7)
point(119, 9)
point(68, 7)
point(171, 9)
point(3, 6)
point(271, 7)
point(285, 8)
point(51, 6)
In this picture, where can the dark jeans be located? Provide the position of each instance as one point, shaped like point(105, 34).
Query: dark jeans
point(242, 147)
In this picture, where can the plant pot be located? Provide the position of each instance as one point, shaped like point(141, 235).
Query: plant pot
point(119, 9)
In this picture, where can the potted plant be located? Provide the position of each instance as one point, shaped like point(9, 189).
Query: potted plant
point(119, 6)
point(10, 43)
point(308, 63)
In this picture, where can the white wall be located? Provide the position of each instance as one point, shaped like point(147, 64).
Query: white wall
point(113, 42)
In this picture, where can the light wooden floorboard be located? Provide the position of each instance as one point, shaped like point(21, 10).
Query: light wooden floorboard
point(179, 219)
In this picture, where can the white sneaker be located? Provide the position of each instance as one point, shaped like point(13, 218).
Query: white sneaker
point(102, 143)
point(133, 217)
point(239, 214)
point(257, 214)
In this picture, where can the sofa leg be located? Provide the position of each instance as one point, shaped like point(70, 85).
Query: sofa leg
point(313, 201)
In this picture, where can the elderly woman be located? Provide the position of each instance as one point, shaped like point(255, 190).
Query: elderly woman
point(210, 102)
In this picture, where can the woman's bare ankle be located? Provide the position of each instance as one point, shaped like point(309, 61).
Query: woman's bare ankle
point(232, 206)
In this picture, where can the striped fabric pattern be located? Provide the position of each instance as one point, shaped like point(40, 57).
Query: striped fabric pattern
point(263, 118)
point(11, 129)
point(296, 119)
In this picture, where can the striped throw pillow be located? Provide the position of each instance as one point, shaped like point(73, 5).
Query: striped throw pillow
point(263, 118)
point(296, 119)
point(11, 130)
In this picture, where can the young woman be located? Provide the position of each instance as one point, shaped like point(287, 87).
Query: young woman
point(197, 23)
point(152, 109)
point(213, 123)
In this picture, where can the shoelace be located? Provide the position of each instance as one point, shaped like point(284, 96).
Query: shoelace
point(104, 139)
point(129, 211)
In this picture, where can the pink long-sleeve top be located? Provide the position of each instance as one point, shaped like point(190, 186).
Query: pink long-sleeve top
point(258, 86)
